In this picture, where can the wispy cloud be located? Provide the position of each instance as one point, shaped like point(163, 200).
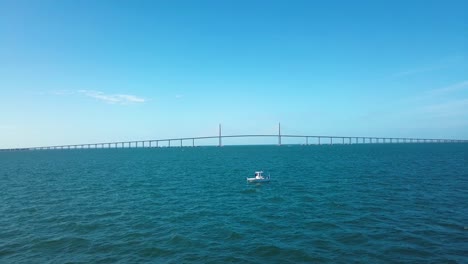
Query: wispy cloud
point(62, 92)
point(446, 101)
point(178, 96)
point(450, 89)
point(113, 98)
point(420, 70)
point(7, 127)
point(440, 64)
point(448, 108)
point(453, 91)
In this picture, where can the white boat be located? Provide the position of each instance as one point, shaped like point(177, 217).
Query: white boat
point(259, 177)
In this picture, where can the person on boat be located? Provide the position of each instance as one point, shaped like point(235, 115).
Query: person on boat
point(258, 176)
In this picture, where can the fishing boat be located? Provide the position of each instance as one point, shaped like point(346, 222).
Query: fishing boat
point(259, 177)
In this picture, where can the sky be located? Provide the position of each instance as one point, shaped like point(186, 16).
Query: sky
point(99, 71)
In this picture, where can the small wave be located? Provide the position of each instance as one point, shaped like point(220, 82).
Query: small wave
point(276, 199)
point(155, 252)
point(249, 191)
point(234, 236)
point(61, 244)
point(268, 250)
point(293, 255)
point(322, 225)
point(409, 252)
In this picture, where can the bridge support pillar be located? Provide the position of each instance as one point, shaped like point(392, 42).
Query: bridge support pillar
point(219, 143)
point(279, 134)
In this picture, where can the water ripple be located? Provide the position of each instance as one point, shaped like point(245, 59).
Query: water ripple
point(341, 204)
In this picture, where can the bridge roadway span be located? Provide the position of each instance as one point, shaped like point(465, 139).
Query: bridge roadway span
point(320, 140)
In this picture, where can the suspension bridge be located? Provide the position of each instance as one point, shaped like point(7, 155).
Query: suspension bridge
point(193, 141)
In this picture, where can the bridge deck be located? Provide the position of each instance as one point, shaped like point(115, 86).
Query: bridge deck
point(320, 140)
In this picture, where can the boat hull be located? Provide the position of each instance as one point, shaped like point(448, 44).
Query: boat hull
point(254, 180)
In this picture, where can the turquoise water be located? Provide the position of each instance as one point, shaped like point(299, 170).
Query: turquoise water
point(325, 204)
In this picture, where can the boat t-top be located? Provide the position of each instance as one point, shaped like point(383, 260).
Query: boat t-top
point(259, 177)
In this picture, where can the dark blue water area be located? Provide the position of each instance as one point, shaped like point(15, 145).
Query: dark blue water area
point(380, 203)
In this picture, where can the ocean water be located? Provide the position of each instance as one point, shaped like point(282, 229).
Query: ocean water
point(381, 203)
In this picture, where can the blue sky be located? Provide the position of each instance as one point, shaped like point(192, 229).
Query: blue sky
point(94, 71)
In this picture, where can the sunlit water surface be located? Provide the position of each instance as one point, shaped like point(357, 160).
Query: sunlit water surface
point(325, 204)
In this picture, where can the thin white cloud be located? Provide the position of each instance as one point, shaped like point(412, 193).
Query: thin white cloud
point(419, 70)
point(436, 104)
point(444, 102)
point(113, 98)
point(450, 89)
point(448, 108)
point(62, 92)
point(438, 94)
point(7, 127)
